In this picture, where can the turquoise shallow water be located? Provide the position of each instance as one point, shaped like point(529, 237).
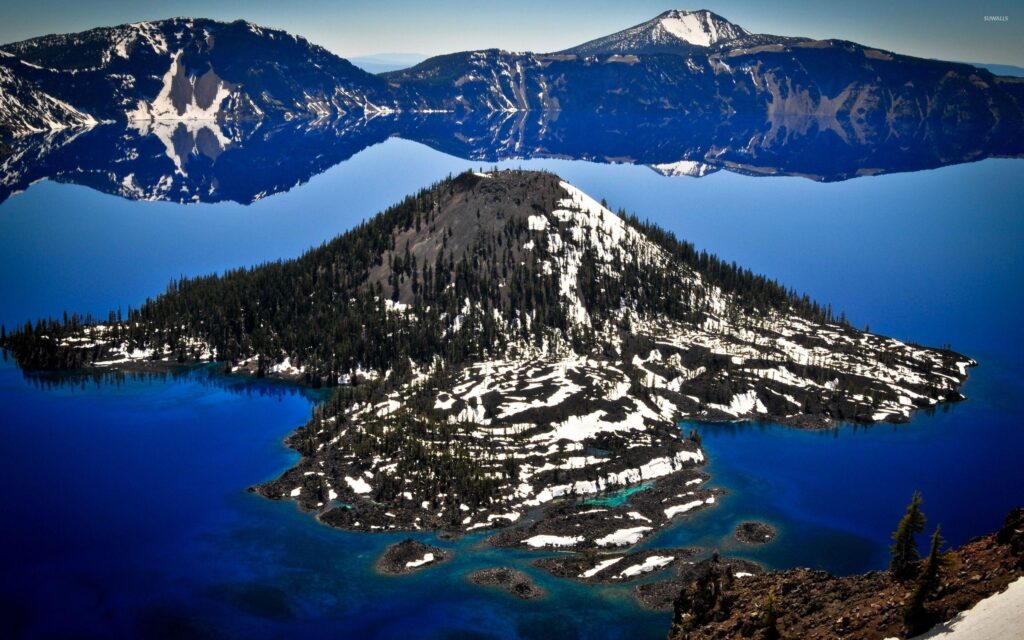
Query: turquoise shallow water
point(618, 498)
point(125, 505)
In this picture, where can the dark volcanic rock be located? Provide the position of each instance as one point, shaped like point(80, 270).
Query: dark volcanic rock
point(661, 595)
point(591, 524)
point(735, 567)
point(1012, 533)
point(513, 581)
point(409, 556)
point(658, 595)
point(754, 533)
point(815, 604)
point(613, 568)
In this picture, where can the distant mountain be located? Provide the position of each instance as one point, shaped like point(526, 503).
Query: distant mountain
point(383, 62)
point(700, 66)
point(190, 69)
point(828, 84)
point(674, 31)
point(694, 65)
point(1000, 69)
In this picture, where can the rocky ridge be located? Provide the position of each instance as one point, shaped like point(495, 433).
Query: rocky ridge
point(815, 604)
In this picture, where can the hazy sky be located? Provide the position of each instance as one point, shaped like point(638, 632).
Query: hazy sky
point(947, 29)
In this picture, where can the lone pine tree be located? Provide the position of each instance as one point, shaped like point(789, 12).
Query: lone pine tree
point(770, 614)
point(914, 614)
point(904, 548)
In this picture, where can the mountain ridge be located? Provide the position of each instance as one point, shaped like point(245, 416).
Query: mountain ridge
point(183, 69)
point(204, 70)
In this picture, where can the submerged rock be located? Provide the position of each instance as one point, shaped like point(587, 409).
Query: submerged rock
point(754, 532)
point(513, 581)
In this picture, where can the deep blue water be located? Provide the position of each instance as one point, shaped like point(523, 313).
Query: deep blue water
point(125, 509)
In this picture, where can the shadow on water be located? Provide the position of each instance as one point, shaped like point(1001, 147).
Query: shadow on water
point(209, 374)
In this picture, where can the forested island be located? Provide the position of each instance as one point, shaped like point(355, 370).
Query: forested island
point(502, 344)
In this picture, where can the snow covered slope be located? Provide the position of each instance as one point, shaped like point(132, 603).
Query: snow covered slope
point(998, 617)
point(673, 31)
point(24, 109)
point(183, 97)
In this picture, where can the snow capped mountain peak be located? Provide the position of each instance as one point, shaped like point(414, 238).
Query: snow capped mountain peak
point(674, 31)
point(701, 28)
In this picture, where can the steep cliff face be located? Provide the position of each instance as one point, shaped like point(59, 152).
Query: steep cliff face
point(855, 91)
point(27, 110)
point(193, 69)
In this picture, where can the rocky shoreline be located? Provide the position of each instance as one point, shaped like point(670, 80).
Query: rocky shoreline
point(661, 594)
point(806, 603)
point(599, 523)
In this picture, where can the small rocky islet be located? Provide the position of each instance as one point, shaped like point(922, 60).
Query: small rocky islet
point(410, 556)
point(514, 582)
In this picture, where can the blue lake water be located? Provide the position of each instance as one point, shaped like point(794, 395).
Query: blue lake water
point(125, 505)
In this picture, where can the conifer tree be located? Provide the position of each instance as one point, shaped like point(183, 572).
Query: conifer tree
point(914, 614)
point(904, 549)
point(770, 615)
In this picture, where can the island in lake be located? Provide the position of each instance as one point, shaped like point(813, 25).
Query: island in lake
point(503, 345)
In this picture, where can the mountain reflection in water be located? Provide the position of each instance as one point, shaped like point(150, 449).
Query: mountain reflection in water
point(198, 161)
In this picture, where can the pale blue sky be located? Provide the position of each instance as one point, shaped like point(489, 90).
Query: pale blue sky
point(947, 29)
